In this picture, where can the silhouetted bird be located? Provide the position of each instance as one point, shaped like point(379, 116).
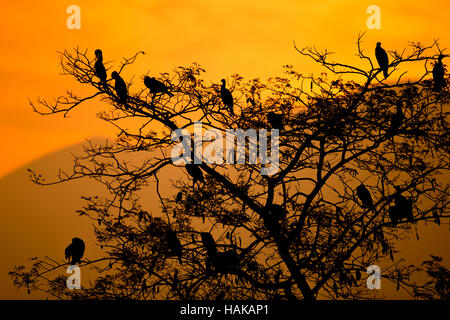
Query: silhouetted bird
point(120, 87)
point(275, 120)
point(156, 86)
point(195, 172)
point(438, 74)
point(402, 208)
point(209, 244)
point(382, 58)
point(174, 244)
point(74, 251)
point(277, 212)
point(179, 197)
point(396, 120)
point(364, 195)
point(226, 96)
point(100, 70)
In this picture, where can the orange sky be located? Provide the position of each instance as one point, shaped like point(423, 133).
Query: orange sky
point(249, 37)
point(252, 37)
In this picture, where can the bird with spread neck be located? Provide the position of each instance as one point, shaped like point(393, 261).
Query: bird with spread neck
point(226, 96)
point(382, 58)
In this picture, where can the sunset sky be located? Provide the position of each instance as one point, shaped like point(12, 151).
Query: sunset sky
point(252, 38)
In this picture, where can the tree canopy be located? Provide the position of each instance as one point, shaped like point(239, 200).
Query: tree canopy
point(363, 160)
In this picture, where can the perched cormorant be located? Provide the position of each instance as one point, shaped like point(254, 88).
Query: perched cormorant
point(364, 195)
point(382, 58)
point(396, 120)
point(403, 208)
point(438, 74)
point(394, 215)
point(74, 251)
point(156, 86)
point(405, 205)
point(195, 172)
point(100, 70)
point(174, 244)
point(209, 244)
point(275, 120)
point(226, 96)
point(221, 295)
point(120, 87)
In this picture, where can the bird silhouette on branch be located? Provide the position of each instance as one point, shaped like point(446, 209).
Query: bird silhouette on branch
point(363, 156)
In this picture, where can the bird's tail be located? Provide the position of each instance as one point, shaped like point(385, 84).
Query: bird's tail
point(385, 73)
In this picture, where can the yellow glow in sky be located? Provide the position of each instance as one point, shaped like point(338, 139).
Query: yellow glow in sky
point(252, 38)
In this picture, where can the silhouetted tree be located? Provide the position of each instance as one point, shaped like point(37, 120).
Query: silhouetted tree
point(301, 233)
point(439, 285)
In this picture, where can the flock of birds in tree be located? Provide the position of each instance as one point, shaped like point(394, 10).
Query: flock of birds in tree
point(275, 119)
point(438, 69)
point(402, 208)
point(154, 85)
point(228, 261)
